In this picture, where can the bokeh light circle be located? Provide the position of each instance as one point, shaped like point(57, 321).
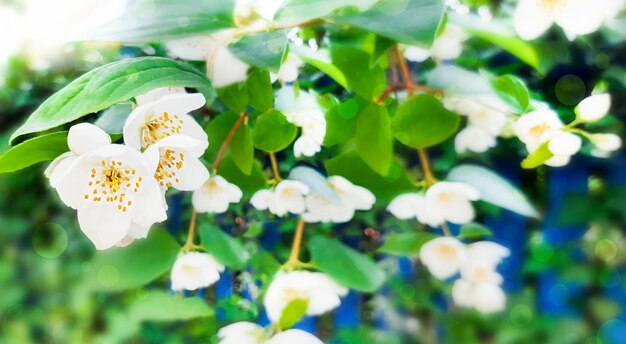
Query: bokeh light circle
point(570, 89)
point(521, 315)
point(49, 240)
point(606, 250)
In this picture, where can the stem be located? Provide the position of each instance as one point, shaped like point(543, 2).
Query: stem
point(229, 138)
point(248, 31)
point(294, 259)
point(446, 229)
point(191, 232)
point(275, 169)
point(429, 178)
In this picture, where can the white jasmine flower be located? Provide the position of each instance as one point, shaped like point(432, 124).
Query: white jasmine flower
point(304, 111)
point(594, 108)
point(447, 46)
point(287, 197)
point(576, 17)
point(473, 139)
point(480, 271)
point(195, 270)
point(266, 9)
point(537, 127)
point(606, 142)
point(223, 67)
point(179, 163)
point(289, 69)
point(484, 297)
point(152, 121)
point(565, 144)
point(242, 332)
point(113, 189)
point(294, 336)
point(487, 251)
point(558, 160)
point(350, 198)
point(322, 293)
point(443, 256)
point(215, 195)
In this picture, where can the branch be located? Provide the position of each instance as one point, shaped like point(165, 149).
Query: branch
point(226, 142)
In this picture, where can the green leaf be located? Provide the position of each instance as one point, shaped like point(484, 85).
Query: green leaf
point(160, 20)
point(373, 138)
point(410, 22)
point(341, 121)
point(315, 181)
point(260, 92)
point(345, 265)
point(264, 50)
point(405, 244)
point(234, 96)
point(112, 120)
point(422, 121)
point(293, 312)
point(272, 132)
point(242, 149)
point(226, 249)
point(112, 84)
point(248, 184)
point(365, 80)
point(217, 130)
point(456, 80)
point(322, 62)
point(42, 148)
point(385, 188)
point(129, 267)
point(493, 188)
point(538, 157)
point(512, 90)
point(294, 11)
point(160, 305)
point(474, 231)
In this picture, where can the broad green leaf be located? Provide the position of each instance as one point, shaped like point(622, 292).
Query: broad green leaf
point(493, 188)
point(226, 249)
point(315, 181)
point(248, 184)
point(129, 267)
point(365, 80)
point(242, 149)
point(112, 120)
point(160, 20)
point(512, 91)
point(293, 312)
point(272, 132)
point(41, 148)
point(456, 80)
point(474, 231)
point(322, 62)
point(341, 121)
point(260, 92)
point(234, 96)
point(264, 50)
point(410, 22)
point(112, 84)
point(351, 166)
point(422, 121)
point(294, 11)
point(405, 244)
point(160, 305)
point(538, 157)
point(373, 138)
point(345, 265)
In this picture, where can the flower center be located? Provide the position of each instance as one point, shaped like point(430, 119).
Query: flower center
point(538, 130)
point(552, 5)
point(481, 274)
point(160, 127)
point(110, 183)
point(447, 252)
point(445, 196)
point(290, 294)
point(190, 269)
point(169, 164)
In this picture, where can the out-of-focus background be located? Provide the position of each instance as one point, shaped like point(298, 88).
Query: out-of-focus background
point(566, 281)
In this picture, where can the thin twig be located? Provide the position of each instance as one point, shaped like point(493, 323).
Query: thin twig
point(294, 257)
point(275, 168)
point(191, 232)
point(229, 138)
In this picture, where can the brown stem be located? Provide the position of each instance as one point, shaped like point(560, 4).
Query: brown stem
point(446, 229)
point(275, 169)
point(294, 257)
point(247, 31)
point(191, 232)
point(229, 138)
point(429, 177)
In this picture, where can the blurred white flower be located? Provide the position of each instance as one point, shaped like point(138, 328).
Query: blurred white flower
point(350, 198)
point(487, 251)
point(563, 145)
point(443, 256)
point(484, 297)
point(223, 67)
point(576, 17)
point(294, 336)
point(473, 139)
point(179, 164)
point(537, 127)
point(447, 46)
point(113, 189)
point(606, 142)
point(215, 196)
point(321, 292)
point(303, 110)
point(266, 9)
point(152, 121)
point(289, 69)
point(287, 197)
point(195, 270)
point(242, 332)
point(158, 93)
point(594, 108)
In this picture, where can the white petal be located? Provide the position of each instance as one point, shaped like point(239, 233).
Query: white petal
point(84, 137)
point(565, 143)
point(537, 127)
point(480, 271)
point(226, 69)
point(59, 167)
point(72, 184)
point(487, 251)
point(405, 206)
point(558, 161)
point(262, 199)
point(294, 336)
point(606, 142)
point(104, 225)
point(594, 108)
point(531, 20)
point(462, 293)
point(242, 332)
point(306, 146)
point(443, 256)
point(473, 139)
point(416, 54)
point(195, 48)
point(579, 17)
point(157, 94)
point(195, 270)
point(215, 195)
point(488, 298)
point(289, 195)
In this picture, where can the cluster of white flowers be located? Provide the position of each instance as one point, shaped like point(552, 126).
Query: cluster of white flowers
point(543, 126)
point(195, 270)
point(447, 46)
point(443, 201)
point(479, 285)
point(487, 117)
point(576, 17)
point(291, 196)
